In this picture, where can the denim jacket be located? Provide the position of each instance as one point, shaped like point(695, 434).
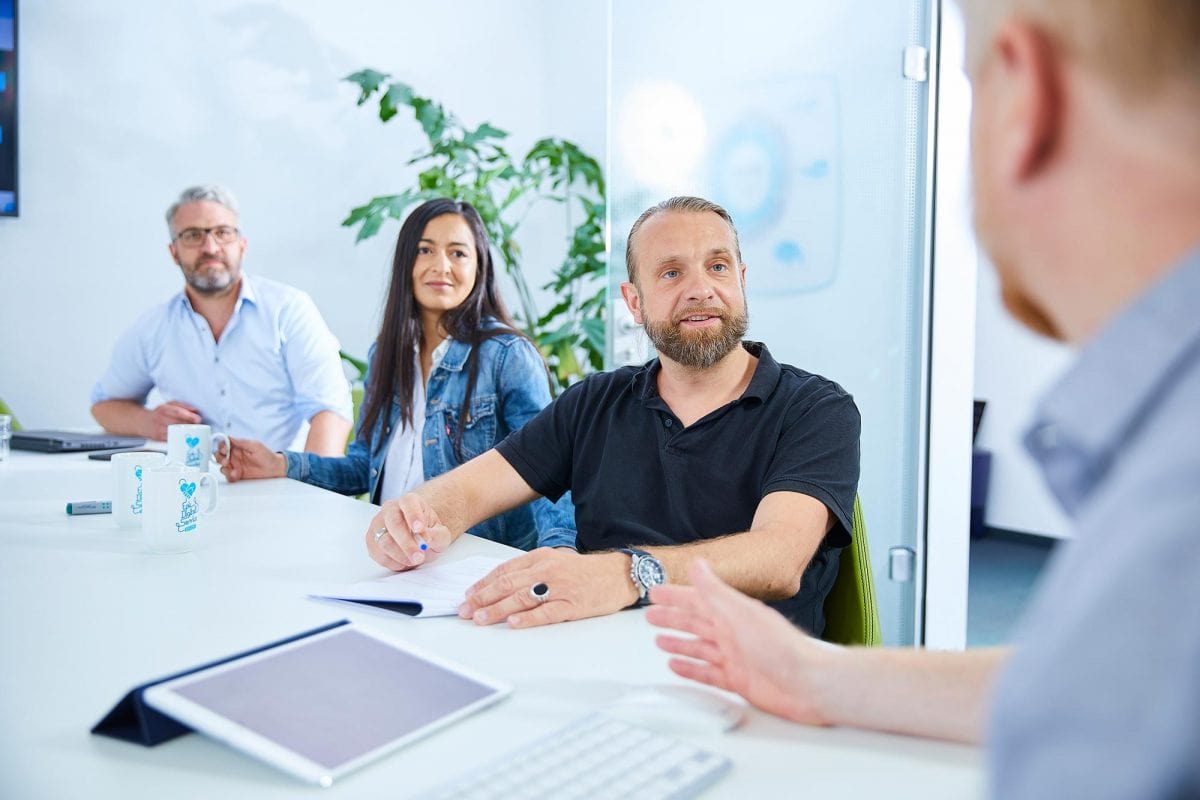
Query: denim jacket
point(510, 390)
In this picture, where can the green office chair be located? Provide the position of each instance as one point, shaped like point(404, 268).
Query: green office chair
point(4, 409)
point(851, 613)
point(356, 398)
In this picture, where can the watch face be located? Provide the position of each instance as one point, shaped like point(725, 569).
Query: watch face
point(650, 572)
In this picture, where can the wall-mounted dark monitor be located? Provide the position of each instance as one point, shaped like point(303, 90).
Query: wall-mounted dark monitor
point(8, 108)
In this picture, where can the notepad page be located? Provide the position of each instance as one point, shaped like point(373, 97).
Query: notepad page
point(439, 588)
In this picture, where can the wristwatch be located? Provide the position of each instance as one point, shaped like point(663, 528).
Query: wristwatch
point(645, 571)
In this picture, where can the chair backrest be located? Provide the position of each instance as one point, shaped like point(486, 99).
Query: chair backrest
point(356, 399)
point(851, 613)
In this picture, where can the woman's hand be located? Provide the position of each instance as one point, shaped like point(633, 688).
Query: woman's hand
point(248, 459)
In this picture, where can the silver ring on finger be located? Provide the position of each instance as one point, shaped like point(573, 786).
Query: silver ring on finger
point(539, 592)
point(379, 534)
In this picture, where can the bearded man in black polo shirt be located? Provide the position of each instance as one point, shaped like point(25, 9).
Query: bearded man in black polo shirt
point(711, 450)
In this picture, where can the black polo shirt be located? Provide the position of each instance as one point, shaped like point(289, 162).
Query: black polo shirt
point(638, 477)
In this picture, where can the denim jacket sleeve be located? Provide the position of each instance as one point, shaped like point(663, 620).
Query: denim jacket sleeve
point(348, 474)
point(525, 391)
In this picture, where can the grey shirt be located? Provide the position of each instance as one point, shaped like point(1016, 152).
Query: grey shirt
point(1102, 697)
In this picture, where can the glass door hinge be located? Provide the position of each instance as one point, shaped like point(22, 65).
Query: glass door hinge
point(916, 63)
point(901, 563)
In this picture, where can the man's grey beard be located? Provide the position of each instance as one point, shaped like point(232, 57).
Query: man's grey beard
point(210, 283)
point(699, 349)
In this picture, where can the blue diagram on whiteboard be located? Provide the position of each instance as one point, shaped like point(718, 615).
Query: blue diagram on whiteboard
point(777, 169)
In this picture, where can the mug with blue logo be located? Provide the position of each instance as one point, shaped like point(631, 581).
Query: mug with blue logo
point(192, 445)
point(176, 500)
point(129, 485)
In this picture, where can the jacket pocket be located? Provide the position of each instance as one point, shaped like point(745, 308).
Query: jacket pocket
point(478, 430)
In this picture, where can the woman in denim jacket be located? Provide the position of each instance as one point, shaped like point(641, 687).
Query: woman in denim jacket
point(448, 363)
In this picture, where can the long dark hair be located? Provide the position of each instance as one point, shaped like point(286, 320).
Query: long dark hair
point(393, 373)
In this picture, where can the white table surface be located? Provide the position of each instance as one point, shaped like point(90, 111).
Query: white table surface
point(86, 613)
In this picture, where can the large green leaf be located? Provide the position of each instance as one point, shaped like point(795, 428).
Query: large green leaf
point(594, 330)
point(485, 131)
point(368, 81)
point(398, 94)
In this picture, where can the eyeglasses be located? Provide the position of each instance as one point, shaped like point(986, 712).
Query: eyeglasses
point(194, 237)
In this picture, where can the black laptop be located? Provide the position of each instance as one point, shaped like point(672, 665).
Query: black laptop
point(44, 441)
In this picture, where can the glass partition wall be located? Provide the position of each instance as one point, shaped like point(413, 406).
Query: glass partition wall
point(809, 122)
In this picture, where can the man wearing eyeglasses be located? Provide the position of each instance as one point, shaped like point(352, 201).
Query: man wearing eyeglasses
point(250, 357)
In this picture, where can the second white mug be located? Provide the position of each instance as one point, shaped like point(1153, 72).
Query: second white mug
point(192, 445)
point(129, 471)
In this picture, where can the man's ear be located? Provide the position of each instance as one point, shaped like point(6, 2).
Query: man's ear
point(742, 275)
point(1027, 83)
point(633, 300)
point(174, 254)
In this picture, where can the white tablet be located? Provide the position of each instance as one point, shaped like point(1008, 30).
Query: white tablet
point(326, 704)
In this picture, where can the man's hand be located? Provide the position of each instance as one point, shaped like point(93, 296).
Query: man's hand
point(405, 533)
point(173, 412)
point(248, 459)
point(580, 586)
point(740, 645)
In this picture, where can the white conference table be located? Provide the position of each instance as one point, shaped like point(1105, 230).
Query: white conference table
point(87, 613)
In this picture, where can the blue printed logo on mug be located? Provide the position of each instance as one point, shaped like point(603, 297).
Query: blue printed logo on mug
point(136, 506)
point(193, 457)
point(189, 509)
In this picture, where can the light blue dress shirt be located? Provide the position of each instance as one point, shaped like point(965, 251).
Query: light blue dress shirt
point(1102, 697)
point(275, 368)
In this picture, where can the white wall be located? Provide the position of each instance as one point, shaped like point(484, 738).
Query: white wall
point(1013, 369)
point(124, 104)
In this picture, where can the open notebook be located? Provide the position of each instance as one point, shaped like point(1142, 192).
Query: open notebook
point(436, 590)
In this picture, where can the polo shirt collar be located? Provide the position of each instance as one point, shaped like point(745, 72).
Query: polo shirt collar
point(644, 382)
point(1084, 420)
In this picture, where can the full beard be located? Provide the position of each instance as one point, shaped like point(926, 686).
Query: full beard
point(208, 281)
point(699, 349)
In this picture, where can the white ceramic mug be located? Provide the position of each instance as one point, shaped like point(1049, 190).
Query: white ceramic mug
point(192, 445)
point(172, 518)
point(128, 470)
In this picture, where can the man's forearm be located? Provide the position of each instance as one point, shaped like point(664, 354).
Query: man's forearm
point(765, 564)
point(479, 489)
point(124, 417)
point(327, 434)
point(935, 694)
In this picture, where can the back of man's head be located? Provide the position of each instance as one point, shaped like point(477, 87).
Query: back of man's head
point(1085, 151)
point(1139, 46)
point(194, 194)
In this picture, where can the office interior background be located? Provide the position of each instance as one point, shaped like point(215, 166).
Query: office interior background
point(835, 133)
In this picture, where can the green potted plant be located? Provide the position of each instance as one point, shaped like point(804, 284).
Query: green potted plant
point(473, 165)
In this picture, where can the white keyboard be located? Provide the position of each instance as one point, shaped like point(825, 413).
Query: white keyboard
point(593, 757)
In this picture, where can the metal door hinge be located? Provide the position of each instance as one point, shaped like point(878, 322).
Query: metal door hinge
point(916, 63)
point(901, 561)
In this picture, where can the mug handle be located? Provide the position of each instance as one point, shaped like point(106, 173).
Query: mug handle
point(209, 484)
point(217, 437)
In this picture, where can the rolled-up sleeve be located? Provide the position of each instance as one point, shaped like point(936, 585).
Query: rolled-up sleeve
point(128, 374)
point(310, 353)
